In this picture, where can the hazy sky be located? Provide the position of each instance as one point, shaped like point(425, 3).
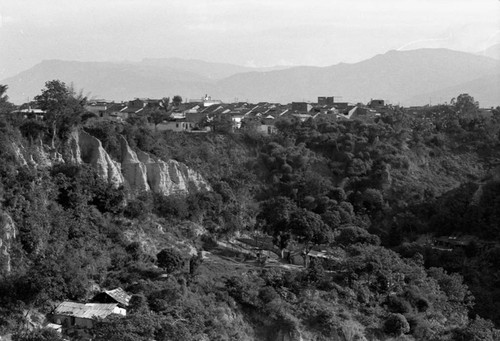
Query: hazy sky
point(245, 32)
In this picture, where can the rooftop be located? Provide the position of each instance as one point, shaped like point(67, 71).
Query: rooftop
point(86, 310)
point(119, 295)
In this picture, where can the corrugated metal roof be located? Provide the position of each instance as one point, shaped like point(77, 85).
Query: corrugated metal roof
point(86, 310)
point(119, 295)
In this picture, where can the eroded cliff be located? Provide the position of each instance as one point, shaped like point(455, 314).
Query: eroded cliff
point(8, 233)
point(137, 170)
point(143, 172)
point(84, 148)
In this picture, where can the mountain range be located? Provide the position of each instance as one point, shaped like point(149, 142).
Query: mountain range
point(414, 77)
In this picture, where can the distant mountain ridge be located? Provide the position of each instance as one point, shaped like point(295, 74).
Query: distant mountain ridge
point(397, 76)
point(210, 70)
point(407, 77)
point(493, 51)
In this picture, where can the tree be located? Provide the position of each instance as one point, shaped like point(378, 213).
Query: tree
point(353, 235)
point(218, 123)
point(466, 105)
point(170, 259)
point(308, 228)
point(138, 305)
point(135, 327)
point(33, 129)
point(177, 100)
point(396, 324)
point(63, 107)
point(5, 105)
point(54, 97)
point(165, 102)
point(478, 330)
point(372, 199)
point(285, 221)
point(275, 218)
point(53, 100)
point(452, 285)
point(157, 116)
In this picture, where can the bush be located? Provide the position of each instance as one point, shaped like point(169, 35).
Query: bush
point(398, 305)
point(170, 259)
point(396, 325)
point(171, 206)
point(267, 294)
point(353, 235)
point(139, 207)
point(478, 330)
point(44, 334)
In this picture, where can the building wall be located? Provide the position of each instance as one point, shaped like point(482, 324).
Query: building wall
point(174, 126)
point(266, 129)
point(376, 103)
point(325, 100)
point(301, 106)
point(68, 321)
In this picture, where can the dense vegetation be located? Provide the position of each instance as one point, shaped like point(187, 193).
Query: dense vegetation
point(371, 190)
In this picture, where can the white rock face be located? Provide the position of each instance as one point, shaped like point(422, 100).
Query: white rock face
point(146, 173)
point(133, 170)
point(19, 154)
point(8, 232)
point(88, 149)
point(137, 170)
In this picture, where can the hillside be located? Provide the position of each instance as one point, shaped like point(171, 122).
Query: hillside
point(382, 229)
point(397, 76)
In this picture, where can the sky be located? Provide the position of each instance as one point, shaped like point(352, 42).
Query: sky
point(244, 32)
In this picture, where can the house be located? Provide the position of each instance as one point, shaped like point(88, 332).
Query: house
point(30, 112)
point(341, 106)
point(302, 117)
point(134, 107)
point(176, 125)
point(83, 315)
point(117, 295)
point(301, 107)
point(98, 107)
point(296, 254)
point(194, 117)
point(267, 129)
point(326, 100)
point(376, 103)
point(236, 118)
point(349, 112)
point(453, 242)
point(115, 112)
point(208, 101)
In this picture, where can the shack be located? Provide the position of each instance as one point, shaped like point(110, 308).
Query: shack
point(117, 295)
point(83, 315)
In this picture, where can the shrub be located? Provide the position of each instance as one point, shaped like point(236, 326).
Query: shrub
point(398, 305)
point(267, 294)
point(44, 334)
point(170, 260)
point(396, 325)
point(353, 235)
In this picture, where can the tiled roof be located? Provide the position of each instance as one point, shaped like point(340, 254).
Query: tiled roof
point(131, 110)
point(115, 107)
